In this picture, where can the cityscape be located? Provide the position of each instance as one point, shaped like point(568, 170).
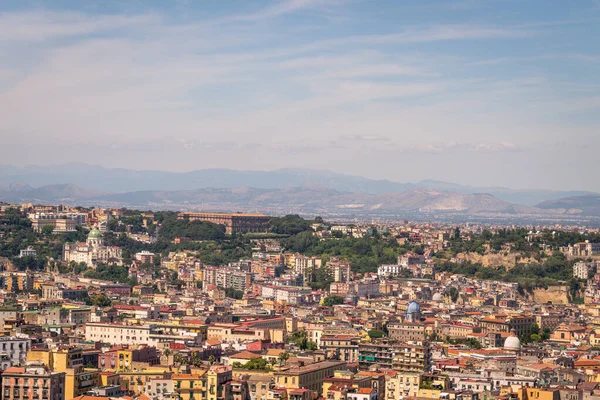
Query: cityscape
point(299, 200)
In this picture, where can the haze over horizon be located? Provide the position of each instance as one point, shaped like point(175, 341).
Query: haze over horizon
point(494, 93)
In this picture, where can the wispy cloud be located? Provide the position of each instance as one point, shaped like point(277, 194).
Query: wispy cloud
point(445, 147)
point(48, 25)
point(285, 7)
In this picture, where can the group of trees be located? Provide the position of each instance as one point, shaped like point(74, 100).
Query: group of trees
point(365, 254)
point(290, 225)
point(195, 230)
point(113, 273)
point(537, 335)
point(234, 294)
point(552, 270)
point(301, 340)
point(332, 301)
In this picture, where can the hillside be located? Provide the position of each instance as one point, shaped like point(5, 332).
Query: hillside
point(584, 205)
point(312, 199)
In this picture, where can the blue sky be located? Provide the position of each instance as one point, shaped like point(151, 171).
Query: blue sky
point(502, 93)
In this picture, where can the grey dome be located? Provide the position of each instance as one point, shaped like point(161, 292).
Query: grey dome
point(413, 308)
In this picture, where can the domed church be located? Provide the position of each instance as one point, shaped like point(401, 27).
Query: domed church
point(512, 342)
point(413, 312)
point(93, 251)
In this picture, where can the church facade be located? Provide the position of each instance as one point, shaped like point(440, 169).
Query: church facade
point(93, 251)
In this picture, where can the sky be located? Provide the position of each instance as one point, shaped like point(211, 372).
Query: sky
point(477, 92)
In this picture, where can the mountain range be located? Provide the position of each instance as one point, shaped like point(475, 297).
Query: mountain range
point(283, 191)
point(118, 180)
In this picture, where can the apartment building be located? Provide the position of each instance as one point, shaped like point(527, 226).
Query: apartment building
point(581, 270)
point(309, 377)
point(407, 331)
point(521, 324)
point(411, 356)
point(34, 381)
point(13, 351)
point(340, 347)
point(306, 266)
point(227, 278)
point(402, 384)
point(68, 360)
point(339, 270)
point(117, 333)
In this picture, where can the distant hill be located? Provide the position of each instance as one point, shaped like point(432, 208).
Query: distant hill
point(313, 199)
point(114, 180)
point(584, 205)
point(62, 193)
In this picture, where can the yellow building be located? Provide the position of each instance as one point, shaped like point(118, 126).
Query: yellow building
point(346, 379)
point(402, 384)
point(530, 393)
point(432, 386)
point(137, 381)
point(204, 385)
point(107, 378)
point(189, 386)
point(19, 281)
point(309, 376)
point(78, 380)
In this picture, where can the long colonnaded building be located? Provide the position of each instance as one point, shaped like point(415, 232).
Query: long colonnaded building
point(234, 223)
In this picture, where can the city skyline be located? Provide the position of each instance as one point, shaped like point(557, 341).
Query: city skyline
point(477, 93)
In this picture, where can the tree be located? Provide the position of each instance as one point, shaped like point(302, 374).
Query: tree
point(290, 225)
point(376, 334)
point(47, 230)
point(211, 359)
point(100, 300)
point(311, 346)
point(332, 300)
point(257, 364)
point(453, 293)
point(283, 357)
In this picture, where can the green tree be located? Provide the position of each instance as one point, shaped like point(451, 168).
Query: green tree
point(99, 300)
point(376, 334)
point(47, 230)
point(332, 300)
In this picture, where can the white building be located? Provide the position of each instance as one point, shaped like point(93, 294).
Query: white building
point(116, 334)
point(93, 251)
point(581, 270)
point(13, 351)
point(584, 249)
point(306, 266)
point(28, 252)
point(389, 270)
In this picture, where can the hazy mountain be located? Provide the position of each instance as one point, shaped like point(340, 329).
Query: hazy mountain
point(584, 205)
point(121, 180)
point(114, 180)
point(62, 193)
point(313, 199)
point(529, 197)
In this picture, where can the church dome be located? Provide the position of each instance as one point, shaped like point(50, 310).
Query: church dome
point(413, 308)
point(512, 342)
point(437, 297)
point(94, 234)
